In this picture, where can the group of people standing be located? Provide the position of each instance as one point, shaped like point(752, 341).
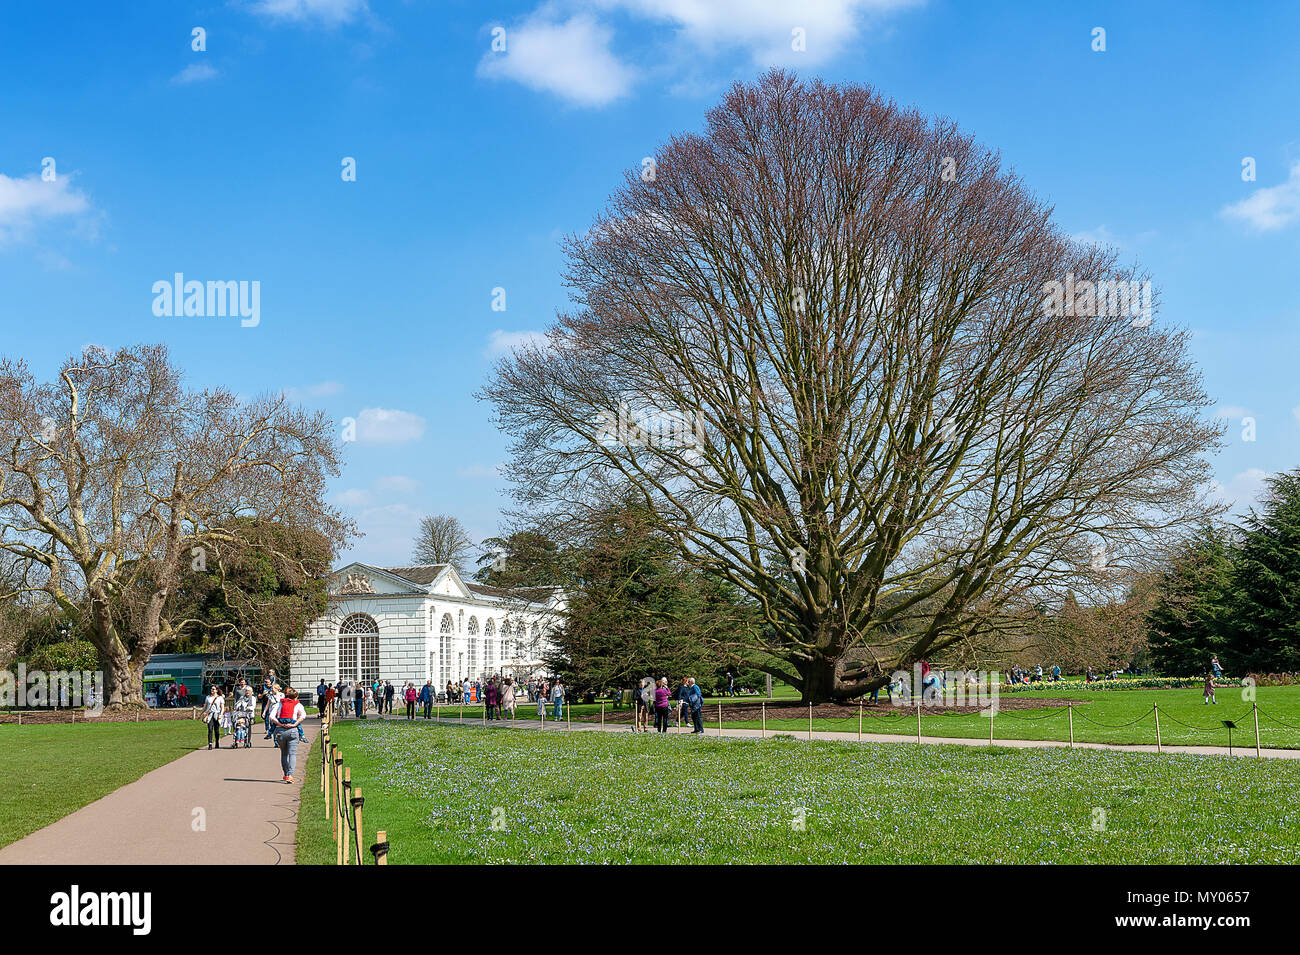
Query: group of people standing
point(655, 696)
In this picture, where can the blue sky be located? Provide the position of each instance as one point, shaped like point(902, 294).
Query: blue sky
point(377, 294)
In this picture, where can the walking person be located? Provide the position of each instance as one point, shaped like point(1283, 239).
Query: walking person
point(410, 695)
point(557, 697)
point(1209, 689)
point(661, 705)
point(359, 701)
point(388, 696)
point(541, 701)
point(213, 708)
point(287, 717)
point(1214, 666)
point(322, 696)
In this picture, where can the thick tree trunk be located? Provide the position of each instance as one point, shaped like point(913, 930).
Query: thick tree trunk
point(123, 670)
point(123, 681)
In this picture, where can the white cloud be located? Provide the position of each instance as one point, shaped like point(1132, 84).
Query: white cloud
point(30, 201)
point(1242, 490)
point(764, 28)
point(1270, 207)
point(397, 484)
point(388, 426)
point(565, 47)
point(330, 13)
point(195, 73)
point(501, 342)
point(568, 57)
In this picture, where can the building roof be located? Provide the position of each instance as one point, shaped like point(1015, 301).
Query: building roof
point(422, 574)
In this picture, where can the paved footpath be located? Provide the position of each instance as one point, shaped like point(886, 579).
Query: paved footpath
point(852, 737)
point(250, 814)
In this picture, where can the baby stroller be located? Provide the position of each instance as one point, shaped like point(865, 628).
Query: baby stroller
point(243, 723)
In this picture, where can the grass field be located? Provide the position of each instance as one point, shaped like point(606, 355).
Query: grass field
point(1109, 716)
point(52, 770)
point(447, 794)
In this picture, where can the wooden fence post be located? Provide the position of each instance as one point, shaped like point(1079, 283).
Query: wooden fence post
point(358, 801)
point(1155, 708)
point(859, 721)
point(763, 731)
point(918, 722)
point(1070, 706)
point(810, 721)
point(719, 719)
point(602, 714)
point(347, 822)
point(381, 839)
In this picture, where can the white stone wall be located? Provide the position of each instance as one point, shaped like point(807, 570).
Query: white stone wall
point(409, 630)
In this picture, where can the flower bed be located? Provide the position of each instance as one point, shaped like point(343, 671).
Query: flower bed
point(1124, 683)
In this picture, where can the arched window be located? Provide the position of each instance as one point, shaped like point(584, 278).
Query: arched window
point(358, 648)
point(506, 642)
point(489, 646)
point(446, 629)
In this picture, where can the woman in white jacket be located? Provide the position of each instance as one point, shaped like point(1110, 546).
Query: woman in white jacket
point(213, 707)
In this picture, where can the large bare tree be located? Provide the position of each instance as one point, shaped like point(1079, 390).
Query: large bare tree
point(116, 480)
point(821, 340)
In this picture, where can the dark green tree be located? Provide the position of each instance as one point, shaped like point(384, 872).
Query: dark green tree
point(1265, 601)
point(634, 610)
point(1189, 620)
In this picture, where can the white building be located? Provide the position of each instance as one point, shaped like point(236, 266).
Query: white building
point(423, 623)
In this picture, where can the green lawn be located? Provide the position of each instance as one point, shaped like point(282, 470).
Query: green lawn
point(1109, 716)
point(447, 794)
point(52, 770)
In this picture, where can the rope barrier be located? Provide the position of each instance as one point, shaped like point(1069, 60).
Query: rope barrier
point(1113, 726)
point(1206, 729)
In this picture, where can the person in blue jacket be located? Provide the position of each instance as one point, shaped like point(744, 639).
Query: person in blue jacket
point(695, 703)
point(426, 698)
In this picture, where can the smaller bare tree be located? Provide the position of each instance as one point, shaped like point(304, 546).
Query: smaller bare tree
point(442, 539)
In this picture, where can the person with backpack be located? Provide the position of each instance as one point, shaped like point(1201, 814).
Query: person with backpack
point(287, 716)
point(322, 695)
